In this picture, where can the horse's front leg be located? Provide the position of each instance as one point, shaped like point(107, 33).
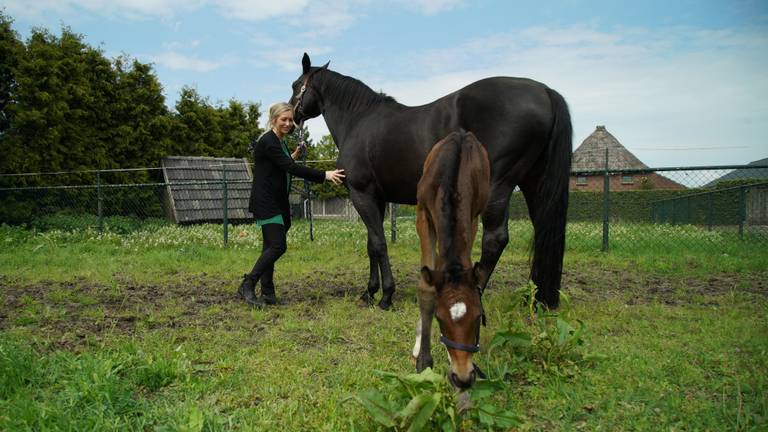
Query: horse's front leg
point(495, 231)
point(422, 349)
point(371, 211)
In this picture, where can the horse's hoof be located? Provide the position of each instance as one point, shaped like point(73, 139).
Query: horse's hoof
point(365, 300)
point(385, 304)
point(423, 363)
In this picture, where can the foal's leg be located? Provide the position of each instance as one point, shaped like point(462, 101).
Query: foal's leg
point(495, 231)
point(422, 350)
point(371, 210)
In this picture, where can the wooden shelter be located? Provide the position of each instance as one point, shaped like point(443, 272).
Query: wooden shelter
point(589, 158)
point(195, 188)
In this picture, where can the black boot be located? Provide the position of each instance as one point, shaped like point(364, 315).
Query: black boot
point(266, 300)
point(246, 290)
point(267, 297)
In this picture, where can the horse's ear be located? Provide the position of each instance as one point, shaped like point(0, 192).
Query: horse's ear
point(325, 66)
point(306, 64)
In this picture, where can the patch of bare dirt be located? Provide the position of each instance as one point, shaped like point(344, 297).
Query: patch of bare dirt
point(77, 313)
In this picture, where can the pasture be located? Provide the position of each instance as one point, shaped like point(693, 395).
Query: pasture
point(142, 331)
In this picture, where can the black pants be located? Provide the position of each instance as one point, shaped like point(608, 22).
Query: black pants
point(274, 246)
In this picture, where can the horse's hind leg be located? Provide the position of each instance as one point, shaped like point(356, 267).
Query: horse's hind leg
point(548, 245)
point(371, 211)
point(495, 231)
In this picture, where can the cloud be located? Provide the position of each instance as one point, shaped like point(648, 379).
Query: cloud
point(431, 7)
point(666, 88)
point(256, 10)
point(131, 9)
point(177, 61)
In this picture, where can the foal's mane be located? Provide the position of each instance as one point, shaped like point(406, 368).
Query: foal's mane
point(450, 165)
point(350, 93)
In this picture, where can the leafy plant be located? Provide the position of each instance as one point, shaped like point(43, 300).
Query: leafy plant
point(549, 341)
point(425, 401)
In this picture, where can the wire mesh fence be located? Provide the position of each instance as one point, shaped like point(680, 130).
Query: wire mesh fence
point(703, 208)
point(712, 208)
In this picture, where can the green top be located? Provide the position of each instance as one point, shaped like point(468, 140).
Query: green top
point(278, 218)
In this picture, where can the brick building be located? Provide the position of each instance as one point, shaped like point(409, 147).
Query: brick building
point(589, 158)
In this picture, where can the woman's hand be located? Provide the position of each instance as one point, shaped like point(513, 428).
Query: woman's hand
point(296, 153)
point(335, 176)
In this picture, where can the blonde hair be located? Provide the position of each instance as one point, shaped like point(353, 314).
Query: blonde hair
point(277, 109)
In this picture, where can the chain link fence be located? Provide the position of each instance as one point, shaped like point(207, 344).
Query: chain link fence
point(716, 208)
point(711, 208)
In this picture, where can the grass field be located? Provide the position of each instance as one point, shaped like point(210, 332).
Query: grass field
point(142, 331)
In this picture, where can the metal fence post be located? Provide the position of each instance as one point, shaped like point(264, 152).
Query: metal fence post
point(99, 202)
point(606, 203)
point(310, 214)
point(226, 204)
point(742, 210)
point(709, 212)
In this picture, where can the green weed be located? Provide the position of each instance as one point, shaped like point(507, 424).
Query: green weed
point(425, 401)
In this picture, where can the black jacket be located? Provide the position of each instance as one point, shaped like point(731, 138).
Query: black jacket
point(269, 191)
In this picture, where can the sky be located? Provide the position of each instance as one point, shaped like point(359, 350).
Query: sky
point(677, 82)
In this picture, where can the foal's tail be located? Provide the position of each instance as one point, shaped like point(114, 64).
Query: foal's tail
point(552, 209)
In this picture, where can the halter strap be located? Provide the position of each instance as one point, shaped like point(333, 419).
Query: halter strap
point(459, 346)
point(305, 86)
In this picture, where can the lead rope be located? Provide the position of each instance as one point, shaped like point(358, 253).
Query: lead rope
point(307, 191)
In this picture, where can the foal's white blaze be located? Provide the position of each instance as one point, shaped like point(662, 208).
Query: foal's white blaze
point(417, 345)
point(458, 310)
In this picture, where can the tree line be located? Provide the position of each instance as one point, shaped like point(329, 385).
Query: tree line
point(64, 106)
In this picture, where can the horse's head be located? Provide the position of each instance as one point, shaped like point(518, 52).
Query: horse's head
point(459, 312)
point(306, 98)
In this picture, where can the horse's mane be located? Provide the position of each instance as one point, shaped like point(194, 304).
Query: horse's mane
point(351, 93)
point(450, 165)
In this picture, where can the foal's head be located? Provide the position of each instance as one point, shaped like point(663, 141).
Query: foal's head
point(459, 312)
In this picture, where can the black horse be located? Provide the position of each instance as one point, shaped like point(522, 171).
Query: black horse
point(524, 125)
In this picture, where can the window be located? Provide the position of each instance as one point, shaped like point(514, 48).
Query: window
point(627, 179)
point(581, 181)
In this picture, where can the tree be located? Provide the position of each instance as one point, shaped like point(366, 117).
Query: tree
point(61, 111)
point(142, 125)
point(206, 130)
point(10, 51)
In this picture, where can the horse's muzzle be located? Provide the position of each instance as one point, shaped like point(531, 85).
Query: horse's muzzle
point(462, 384)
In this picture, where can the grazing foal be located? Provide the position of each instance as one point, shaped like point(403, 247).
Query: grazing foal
point(452, 193)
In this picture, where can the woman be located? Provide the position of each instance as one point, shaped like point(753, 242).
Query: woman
point(273, 167)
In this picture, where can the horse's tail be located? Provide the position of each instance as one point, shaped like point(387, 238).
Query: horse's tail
point(552, 210)
point(450, 165)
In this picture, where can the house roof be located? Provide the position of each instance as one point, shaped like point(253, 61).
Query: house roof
point(745, 173)
point(590, 155)
point(199, 197)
